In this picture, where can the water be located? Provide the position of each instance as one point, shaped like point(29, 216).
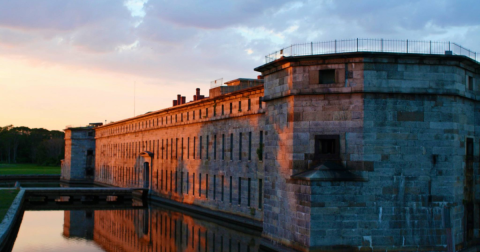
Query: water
point(150, 228)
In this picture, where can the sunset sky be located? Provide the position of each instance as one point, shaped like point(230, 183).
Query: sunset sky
point(69, 62)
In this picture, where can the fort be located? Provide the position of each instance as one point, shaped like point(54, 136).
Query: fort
point(343, 149)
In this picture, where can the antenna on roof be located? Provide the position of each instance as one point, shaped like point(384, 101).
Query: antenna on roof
point(134, 87)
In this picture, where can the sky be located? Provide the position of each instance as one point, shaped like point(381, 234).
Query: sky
point(66, 62)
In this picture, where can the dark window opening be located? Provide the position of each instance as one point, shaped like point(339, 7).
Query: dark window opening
point(249, 104)
point(326, 76)
point(469, 148)
point(231, 108)
point(239, 191)
point(327, 147)
point(223, 110)
point(249, 191)
point(208, 146)
point(239, 106)
point(470, 82)
point(240, 147)
point(260, 190)
point(231, 189)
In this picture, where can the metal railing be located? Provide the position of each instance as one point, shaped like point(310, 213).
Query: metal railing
point(372, 45)
point(216, 83)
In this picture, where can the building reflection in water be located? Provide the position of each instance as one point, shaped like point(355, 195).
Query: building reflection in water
point(156, 229)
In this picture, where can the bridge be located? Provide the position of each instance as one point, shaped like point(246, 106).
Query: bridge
point(82, 194)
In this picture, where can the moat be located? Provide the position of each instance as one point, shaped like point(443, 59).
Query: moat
point(140, 227)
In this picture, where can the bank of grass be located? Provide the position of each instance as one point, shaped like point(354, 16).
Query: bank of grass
point(6, 198)
point(28, 169)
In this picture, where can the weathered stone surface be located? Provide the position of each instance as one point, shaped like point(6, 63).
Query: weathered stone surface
point(401, 127)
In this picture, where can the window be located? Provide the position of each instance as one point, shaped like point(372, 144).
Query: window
point(187, 116)
point(223, 146)
point(231, 108)
point(200, 185)
point(90, 133)
point(208, 145)
point(223, 109)
point(161, 179)
point(188, 148)
point(215, 147)
point(200, 114)
point(194, 139)
point(260, 148)
point(176, 118)
point(239, 106)
point(469, 82)
point(469, 148)
point(193, 116)
point(231, 189)
point(201, 147)
point(260, 189)
point(231, 146)
point(248, 191)
point(223, 184)
point(240, 146)
point(188, 182)
point(206, 186)
point(166, 149)
point(326, 76)
point(249, 145)
point(260, 101)
point(206, 112)
point(214, 111)
point(249, 105)
point(214, 186)
point(327, 147)
point(239, 190)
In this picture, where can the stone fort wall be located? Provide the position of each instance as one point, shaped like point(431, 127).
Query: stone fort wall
point(360, 150)
point(201, 155)
point(402, 124)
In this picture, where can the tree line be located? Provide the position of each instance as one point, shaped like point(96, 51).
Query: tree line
point(24, 145)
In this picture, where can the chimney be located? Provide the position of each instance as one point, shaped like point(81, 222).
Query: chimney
point(196, 97)
point(179, 99)
point(174, 103)
point(183, 99)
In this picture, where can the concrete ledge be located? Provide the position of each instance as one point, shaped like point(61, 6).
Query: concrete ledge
point(36, 178)
point(10, 219)
point(229, 218)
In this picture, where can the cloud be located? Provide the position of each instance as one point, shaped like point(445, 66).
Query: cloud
point(58, 14)
point(210, 14)
point(178, 45)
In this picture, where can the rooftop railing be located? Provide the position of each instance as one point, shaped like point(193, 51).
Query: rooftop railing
point(216, 83)
point(372, 45)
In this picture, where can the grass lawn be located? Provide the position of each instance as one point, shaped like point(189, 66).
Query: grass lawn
point(27, 169)
point(6, 198)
